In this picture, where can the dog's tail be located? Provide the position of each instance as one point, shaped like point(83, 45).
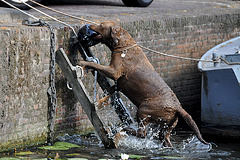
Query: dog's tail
point(191, 123)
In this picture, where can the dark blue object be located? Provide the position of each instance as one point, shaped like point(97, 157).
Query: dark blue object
point(85, 36)
point(220, 103)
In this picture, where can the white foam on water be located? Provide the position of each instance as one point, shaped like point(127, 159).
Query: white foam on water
point(192, 144)
point(150, 143)
point(132, 142)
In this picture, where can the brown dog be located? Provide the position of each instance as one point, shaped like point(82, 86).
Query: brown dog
point(138, 80)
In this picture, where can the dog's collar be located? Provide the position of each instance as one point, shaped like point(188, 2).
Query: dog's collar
point(123, 51)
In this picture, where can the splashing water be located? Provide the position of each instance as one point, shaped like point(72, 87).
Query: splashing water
point(132, 142)
point(192, 144)
point(152, 144)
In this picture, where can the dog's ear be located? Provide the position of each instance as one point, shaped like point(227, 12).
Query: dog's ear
point(113, 33)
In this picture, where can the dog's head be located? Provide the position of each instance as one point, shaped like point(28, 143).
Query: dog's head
point(110, 33)
point(87, 36)
point(105, 32)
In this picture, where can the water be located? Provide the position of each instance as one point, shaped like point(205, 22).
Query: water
point(186, 147)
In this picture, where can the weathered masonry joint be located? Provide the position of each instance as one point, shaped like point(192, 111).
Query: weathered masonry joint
point(24, 72)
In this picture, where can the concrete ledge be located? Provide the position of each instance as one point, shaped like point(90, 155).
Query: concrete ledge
point(8, 15)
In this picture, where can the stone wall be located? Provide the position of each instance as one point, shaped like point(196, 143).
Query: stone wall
point(24, 80)
point(24, 72)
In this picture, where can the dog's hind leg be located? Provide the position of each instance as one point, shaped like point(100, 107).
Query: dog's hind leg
point(143, 121)
point(100, 102)
point(167, 133)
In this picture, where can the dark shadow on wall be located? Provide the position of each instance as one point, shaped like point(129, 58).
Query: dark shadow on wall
point(69, 113)
point(66, 110)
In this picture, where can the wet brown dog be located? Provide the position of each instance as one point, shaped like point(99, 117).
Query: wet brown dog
point(138, 80)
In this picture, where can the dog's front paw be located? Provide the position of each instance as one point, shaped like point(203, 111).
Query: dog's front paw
point(82, 63)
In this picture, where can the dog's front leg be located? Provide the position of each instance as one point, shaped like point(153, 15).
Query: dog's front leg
point(107, 71)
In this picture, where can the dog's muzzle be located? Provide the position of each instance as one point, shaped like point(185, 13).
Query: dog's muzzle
point(87, 37)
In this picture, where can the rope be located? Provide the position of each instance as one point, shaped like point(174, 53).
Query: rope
point(168, 55)
point(49, 16)
point(229, 63)
point(173, 56)
point(81, 19)
point(125, 49)
point(20, 10)
point(193, 59)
